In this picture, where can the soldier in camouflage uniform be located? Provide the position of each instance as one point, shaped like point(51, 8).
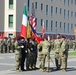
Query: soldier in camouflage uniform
point(30, 58)
point(64, 53)
point(44, 57)
point(18, 53)
point(34, 56)
point(74, 45)
point(0, 45)
point(9, 45)
point(13, 44)
point(4, 44)
point(57, 45)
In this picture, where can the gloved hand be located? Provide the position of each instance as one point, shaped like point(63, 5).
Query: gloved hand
point(31, 48)
point(22, 46)
point(26, 51)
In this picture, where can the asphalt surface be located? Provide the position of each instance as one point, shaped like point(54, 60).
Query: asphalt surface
point(7, 66)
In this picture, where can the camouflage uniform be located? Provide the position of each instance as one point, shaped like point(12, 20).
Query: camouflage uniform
point(30, 56)
point(34, 54)
point(64, 54)
point(13, 45)
point(44, 55)
point(9, 45)
point(4, 45)
point(57, 45)
point(18, 55)
point(0, 45)
point(74, 44)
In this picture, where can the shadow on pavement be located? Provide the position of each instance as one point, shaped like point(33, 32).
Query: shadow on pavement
point(71, 69)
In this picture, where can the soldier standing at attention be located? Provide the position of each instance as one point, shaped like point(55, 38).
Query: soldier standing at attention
point(23, 53)
point(45, 55)
point(74, 45)
point(5, 44)
point(64, 53)
point(18, 53)
point(8, 45)
point(57, 45)
point(1, 45)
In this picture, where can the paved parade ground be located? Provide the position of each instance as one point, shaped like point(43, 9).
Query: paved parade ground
point(7, 66)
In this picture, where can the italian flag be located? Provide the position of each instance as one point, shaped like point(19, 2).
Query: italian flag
point(24, 23)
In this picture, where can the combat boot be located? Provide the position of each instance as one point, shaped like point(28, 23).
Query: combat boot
point(63, 70)
point(42, 69)
point(48, 70)
point(18, 70)
point(30, 68)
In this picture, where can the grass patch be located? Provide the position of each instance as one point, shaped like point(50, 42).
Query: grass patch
point(69, 53)
point(72, 53)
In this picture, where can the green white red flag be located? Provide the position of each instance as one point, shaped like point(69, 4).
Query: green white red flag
point(24, 23)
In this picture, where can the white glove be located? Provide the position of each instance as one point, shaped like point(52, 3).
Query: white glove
point(31, 48)
point(26, 51)
point(22, 46)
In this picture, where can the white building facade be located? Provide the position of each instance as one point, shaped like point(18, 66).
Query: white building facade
point(59, 16)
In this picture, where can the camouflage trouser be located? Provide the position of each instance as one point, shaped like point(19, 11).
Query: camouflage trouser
point(64, 62)
point(73, 47)
point(57, 60)
point(30, 62)
point(8, 48)
point(18, 61)
point(44, 59)
point(3, 48)
point(13, 48)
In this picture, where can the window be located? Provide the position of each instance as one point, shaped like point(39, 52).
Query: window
point(28, 4)
point(51, 25)
point(10, 21)
point(60, 25)
point(56, 24)
point(41, 22)
point(60, 10)
point(64, 2)
point(51, 0)
point(68, 2)
point(75, 2)
point(46, 25)
point(68, 27)
point(10, 35)
point(64, 13)
point(71, 26)
point(36, 21)
point(75, 14)
point(71, 13)
point(41, 6)
point(51, 10)
point(35, 5)
point(64, 27)
point(68, 14)
point(71, 1)
point(28, 17)
point(10, 4)
point(56, 10)
point(46, 9)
